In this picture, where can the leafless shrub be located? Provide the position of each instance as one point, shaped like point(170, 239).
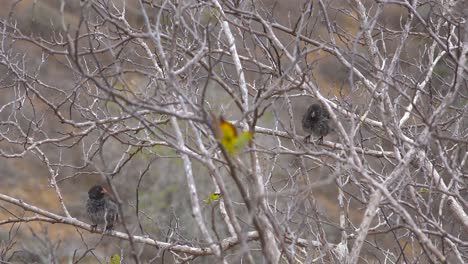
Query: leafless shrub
point(128, 91)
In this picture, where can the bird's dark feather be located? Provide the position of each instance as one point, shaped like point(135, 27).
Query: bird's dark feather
point(102, 210)
point(316, 121)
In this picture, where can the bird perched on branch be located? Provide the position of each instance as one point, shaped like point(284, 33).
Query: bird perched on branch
point(316, 122)
point(101, 208)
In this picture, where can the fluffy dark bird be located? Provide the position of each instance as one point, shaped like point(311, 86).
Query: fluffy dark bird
point(101, 208)
point(316, 122)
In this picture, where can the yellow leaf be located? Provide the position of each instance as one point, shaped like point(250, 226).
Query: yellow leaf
point(115, 259)
point(226, 133)
point(424, 190)
point(213, 197)
point(229, 137)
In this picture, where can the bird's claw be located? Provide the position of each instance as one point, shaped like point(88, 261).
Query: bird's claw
point(308, 139)
point(320, 141)
point(93, 228)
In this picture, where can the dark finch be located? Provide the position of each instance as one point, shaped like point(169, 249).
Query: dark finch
point(101, 208)
point(315, 122)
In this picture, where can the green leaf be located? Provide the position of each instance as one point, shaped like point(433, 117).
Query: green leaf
point(115, 259)
point(241, 141)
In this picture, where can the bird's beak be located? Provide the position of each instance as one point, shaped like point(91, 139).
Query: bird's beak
point(104, 190)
